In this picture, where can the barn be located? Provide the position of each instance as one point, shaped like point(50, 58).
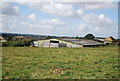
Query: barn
point(106, 40)
point(2, 39)
point(109, 40)
point(66, 43)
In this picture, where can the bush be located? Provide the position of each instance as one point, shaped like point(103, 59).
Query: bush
point(89, 36)
point(5, 44)
point(17, 43)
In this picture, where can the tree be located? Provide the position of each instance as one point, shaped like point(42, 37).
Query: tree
point(5, 44)
point(77, 37)
point(89, 36)
point(49, 37)
point(25, 42)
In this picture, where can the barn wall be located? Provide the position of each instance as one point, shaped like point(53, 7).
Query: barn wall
point(46, 43)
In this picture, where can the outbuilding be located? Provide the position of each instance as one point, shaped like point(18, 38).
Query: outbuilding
point(2, 39)
point(66, 43)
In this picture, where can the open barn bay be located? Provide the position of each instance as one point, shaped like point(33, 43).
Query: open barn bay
point(60, 63)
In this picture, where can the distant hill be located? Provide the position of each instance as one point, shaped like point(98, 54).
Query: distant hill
point(17, 34)
point(10, 36)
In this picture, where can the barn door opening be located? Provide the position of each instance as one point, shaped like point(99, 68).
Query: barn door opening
point(51, 41)
point(54, 43)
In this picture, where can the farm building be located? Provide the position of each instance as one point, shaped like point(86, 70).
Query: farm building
point(109, 40)
point(16, 38)
point(66, 43)
point(105, 40)
point(2, 39)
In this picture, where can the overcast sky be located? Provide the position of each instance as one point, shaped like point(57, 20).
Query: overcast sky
point(60, 18)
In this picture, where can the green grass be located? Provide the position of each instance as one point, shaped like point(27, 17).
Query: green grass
point(60, 63)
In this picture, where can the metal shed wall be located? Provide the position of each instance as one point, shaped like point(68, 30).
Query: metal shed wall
point(46, 43)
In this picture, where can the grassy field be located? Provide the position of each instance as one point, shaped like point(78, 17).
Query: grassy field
point(60, 63)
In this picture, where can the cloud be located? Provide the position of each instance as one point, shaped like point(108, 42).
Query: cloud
point(89, 23)
point(89, 5)
point(95, 20)
point(7, 9)
point(100, 25)
point(32, 16)
point(52, 22)
point(95, 5)
point(26, 25)
point(57, 27)
point(83, 27)
point(45, 22)
point(58, 9)
point(21, 1)
point(67, 10)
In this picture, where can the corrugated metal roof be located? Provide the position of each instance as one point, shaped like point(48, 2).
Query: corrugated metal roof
point(82, 41)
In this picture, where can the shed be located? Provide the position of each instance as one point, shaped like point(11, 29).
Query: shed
point(2, 39)
point(110, 39)
point(66, 43)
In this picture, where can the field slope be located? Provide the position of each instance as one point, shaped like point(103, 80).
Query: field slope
point(60, 63)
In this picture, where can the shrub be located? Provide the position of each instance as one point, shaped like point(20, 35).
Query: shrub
point(17, 43)
point(89, 36)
